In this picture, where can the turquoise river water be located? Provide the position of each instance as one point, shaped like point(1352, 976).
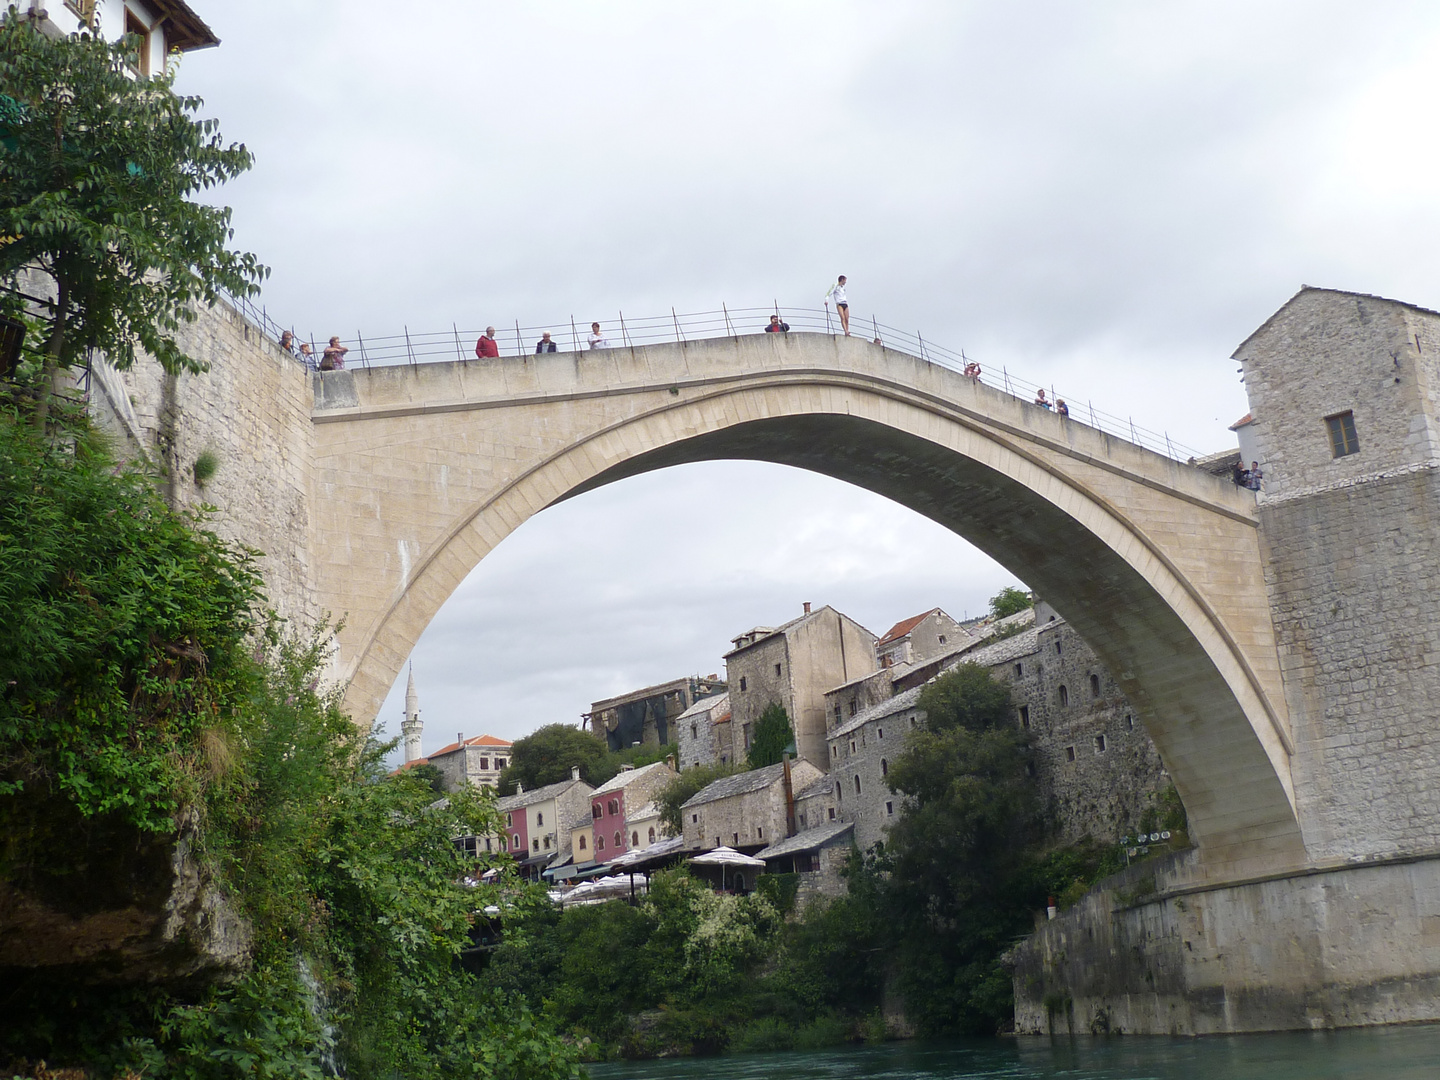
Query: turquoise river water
point(1395, 1053)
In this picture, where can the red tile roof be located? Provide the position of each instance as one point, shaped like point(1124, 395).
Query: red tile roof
point(1246, 419)
point(900, 629)
point(483, 741)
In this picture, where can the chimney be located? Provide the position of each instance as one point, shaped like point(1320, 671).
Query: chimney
point(807, 607)
point(460, 737)
point(574, 772)
point(519, 787)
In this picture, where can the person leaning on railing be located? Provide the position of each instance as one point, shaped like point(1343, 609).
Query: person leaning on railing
point(545, 345)
point(333, 358)
point(776, 326)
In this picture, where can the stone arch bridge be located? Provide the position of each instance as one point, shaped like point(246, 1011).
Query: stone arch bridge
point(419, 471)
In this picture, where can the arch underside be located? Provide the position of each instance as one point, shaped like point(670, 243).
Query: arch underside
point(1238, 807)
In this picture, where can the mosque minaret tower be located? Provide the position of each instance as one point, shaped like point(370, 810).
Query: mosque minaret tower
point(411, 727)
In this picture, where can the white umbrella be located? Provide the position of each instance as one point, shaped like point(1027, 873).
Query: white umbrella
point(726, 856)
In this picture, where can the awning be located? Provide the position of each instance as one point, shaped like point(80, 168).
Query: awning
point(726, 856)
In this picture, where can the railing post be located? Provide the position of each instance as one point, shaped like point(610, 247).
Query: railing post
point(828, 328)
point(679, 334)
point(363, 358)
point(625, 334)
point(1006, 372)
point(408, 350)
point(1168, 448)
point(1092, 414)
point(574, 337)
point(921, 340)
point(458, 351)
point(1133, 437)
point(729, 330)
point(519, 341)
point(875, 326)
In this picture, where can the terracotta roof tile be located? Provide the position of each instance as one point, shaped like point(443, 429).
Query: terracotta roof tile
point(900, 629)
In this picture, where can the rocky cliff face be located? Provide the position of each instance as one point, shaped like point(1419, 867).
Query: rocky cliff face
point(95, 901)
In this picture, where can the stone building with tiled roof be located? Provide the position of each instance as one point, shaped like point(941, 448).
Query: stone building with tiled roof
point(614, 803)
point(539, 824)
point(747, 811)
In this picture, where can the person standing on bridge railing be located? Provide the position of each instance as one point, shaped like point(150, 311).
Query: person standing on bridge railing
point(836, 295)
point(487, 348)
point(596, 339)
point(545, 345)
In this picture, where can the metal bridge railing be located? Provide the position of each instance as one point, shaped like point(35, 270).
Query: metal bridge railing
point(417, 347)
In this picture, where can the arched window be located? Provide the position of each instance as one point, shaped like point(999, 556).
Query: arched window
point(539, 818)
point(536, 843)
point(516, 838)
point(1064, 695)
point(614, 806)
point(652, 834)
point(884, 767)
point(599, 843)
point(547, 843)
point(857, 783)
point(635, 839)
point(1094, 685)
point(598, 811)
point(619, 838)
point(839, 793)
point(582, 843)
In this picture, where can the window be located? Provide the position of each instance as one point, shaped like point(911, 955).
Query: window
point(736, 839)
point(599, 843)
point(742, 684)
point(635, 839)
point(1343, 440)
point(884, 767)
point(485, 763)
point(839, 792)
point(582, 843)
point(717, 841)
point(547, 843)
point(942, 639)
point(536, 844)
point(516, 839)
point(854, 707)
point(614, 806)
point(510, 818)
point(619, 838)
point(811, 863)
point(1064, 695)
point(487, 844)
point(1069, 753)
point(499, 763)
point(832, 813)
point(1057, 648)
point(1099, 744)
point(837, 712)
point(889, 809)
point(694, 819)
point(802, 821)
point(912, 719)
point(694, 731)
point(133, 25)
point(652, 834)
point(777, 671)
point(539, 819)
point(857, 783)
point(1094, 685)
point(759, 833)
point(879, 733)
point(1129, 722)
point(745, 729)
point(1019, 671)
point(599, 812)
point(852, 746)
point(834, 750)
point(1025, 717)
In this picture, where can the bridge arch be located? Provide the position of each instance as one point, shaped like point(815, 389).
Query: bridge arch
point(1155, 565)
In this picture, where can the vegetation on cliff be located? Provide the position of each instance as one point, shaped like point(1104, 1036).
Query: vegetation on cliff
point(144, 686)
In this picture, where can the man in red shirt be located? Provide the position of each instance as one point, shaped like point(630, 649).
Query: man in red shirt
point(487, 346)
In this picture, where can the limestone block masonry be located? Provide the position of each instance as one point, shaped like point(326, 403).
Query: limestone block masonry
point(251, 410)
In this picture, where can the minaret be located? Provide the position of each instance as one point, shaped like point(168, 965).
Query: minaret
point(410, 727)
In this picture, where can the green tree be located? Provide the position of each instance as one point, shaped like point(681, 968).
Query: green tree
point(98, 175)
point(686, 785)
point(430, 775)
point(547, 755)
point(1009, 601)
point(961, 856)
point(771, 737)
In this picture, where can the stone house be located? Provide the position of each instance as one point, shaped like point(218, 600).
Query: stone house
point(624, 796)
point(647, 717)
point(702, 733)
point(476, 761)
point(538, 824)
point(818, 856)
point(747, 811)
point(1096, 766)
point(920, 637)
point(793, 665)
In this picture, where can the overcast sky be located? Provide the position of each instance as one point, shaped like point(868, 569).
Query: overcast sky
point(1106, 197)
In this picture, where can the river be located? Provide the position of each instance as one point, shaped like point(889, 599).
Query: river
point(1394, 1053)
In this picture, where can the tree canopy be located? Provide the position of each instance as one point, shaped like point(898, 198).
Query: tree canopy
point(99, 170)
point(771, 736)
point(1009, 601)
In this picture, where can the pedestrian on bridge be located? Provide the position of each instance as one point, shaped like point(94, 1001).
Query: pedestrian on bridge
point(487, 347)
point(776, 326)
point(837, 296)
point(596, 339)
point(545, 345)
point(333, 358)
point(1040, 400)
